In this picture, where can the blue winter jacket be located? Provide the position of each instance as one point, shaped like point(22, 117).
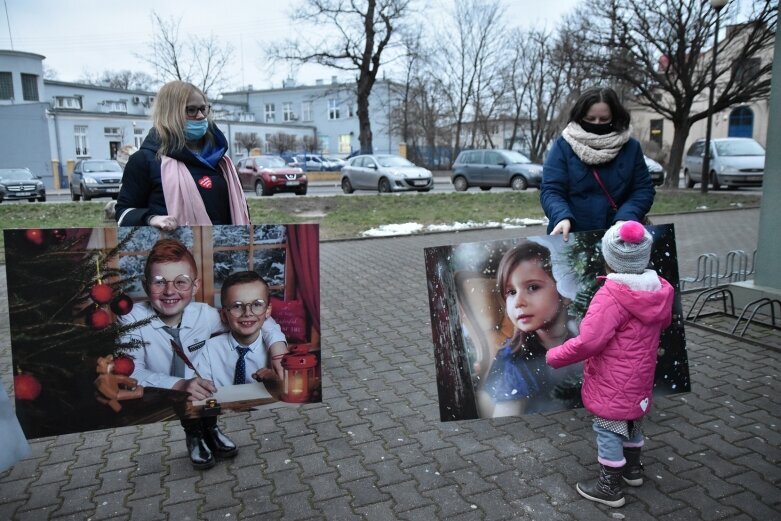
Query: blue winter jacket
point(570, 191)
point(141, 195)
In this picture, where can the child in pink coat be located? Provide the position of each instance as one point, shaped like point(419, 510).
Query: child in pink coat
point(619, 339)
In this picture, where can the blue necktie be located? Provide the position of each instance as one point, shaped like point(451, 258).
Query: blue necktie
point(239, 376)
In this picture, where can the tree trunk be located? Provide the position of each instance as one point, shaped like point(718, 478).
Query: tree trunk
point(364, 124)
point(680, 135)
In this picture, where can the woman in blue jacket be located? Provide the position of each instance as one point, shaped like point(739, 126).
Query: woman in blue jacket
point(595, 174)
point(181, 176)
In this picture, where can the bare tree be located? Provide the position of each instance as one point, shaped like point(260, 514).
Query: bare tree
point(309, 144)
point(364, 32)
point(248, 140)
point(281, 142)
point(462, 56)
point(662, 51)
point(123, 79)
point(198, 60)
point(49, 73)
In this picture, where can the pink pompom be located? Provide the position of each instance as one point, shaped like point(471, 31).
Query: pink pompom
point(632, 232)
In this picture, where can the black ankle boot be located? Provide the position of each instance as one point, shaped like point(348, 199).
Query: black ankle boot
point(219, 444)
point(633, 471)
point(200, 455)
point(608, 489)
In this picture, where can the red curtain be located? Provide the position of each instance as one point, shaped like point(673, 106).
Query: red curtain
point(304, 244)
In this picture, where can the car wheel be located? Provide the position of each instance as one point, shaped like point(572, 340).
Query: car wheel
point(519, 183)
point(460, 184)
point(384, 186)
point(74, 195)
point(115, 197)
point(84, 194)
point(716, 183)
point(42, 199)
point(689, 181)
point(347, 186)
point(31, 199)
point(424, 190)
point(485, 188)
point(260, 189)
point(301, 191)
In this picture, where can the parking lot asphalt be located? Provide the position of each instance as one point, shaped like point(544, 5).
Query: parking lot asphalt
point(375, 448)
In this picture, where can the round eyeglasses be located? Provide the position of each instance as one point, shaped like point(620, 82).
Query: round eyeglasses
point(193, 110)
point(237, 309)
point(159, 284)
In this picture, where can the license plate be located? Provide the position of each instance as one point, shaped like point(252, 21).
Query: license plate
point(24, 194)
point(293, 183)
point(112, 190)
point(420, 183)
point(754, 178)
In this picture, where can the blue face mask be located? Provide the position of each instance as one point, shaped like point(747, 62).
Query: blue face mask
point(195, 129)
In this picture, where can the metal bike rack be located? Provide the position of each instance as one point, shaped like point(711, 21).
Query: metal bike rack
point(757, 305)
point(708, 295)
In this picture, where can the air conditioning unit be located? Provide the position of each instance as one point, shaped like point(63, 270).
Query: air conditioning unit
point(136, 100)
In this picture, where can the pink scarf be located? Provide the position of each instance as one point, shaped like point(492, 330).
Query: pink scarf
point(184, 202)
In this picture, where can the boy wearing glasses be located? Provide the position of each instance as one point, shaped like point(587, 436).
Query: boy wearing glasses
point(242, 354)
point(172, 342)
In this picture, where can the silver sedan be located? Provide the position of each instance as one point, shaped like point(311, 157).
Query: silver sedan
point(384, 173)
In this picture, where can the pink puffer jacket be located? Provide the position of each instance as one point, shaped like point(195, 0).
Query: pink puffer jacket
point(619, 339)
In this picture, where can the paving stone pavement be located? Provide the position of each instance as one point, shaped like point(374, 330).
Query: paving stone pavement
point(375, 448)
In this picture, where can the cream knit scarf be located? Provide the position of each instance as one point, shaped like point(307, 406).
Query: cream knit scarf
point(593, 149)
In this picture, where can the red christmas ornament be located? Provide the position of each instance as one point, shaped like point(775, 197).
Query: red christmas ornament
point(59, 235)
point(122, 305)
point(98, 319)
point(123, 365)
point(101, 293)
point(34, 235)
point(26, 387)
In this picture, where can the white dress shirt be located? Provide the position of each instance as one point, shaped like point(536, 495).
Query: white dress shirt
point(218, 359)
point(199, 323)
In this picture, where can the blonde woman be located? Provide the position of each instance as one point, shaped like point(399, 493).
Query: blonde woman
point(181, 175)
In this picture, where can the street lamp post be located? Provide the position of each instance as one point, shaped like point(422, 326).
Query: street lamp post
point(705, 177)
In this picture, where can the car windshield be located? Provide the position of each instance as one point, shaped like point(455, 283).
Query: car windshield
point(101, 166)
point(16, 175)
point(389, 161)
point(270, 162)
point(747, 147)
point(516, 157)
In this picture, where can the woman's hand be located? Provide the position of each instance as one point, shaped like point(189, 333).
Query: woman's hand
point(563, 227)
point(164, 222)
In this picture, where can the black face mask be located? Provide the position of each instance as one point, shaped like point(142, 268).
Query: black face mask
point(593, 128)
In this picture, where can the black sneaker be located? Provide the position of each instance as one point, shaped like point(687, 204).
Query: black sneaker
point(607, 489)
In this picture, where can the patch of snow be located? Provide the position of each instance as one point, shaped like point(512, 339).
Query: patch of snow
point(412, 228)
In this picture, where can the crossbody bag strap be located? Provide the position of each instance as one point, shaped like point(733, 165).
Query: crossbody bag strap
point(602, 186)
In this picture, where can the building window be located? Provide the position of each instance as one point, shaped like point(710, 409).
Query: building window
point(138, 137)
point(70, 102)
point(306, 111)
point(6, 86)
point(111, 131)
point(115, 106)
point(325, 145)
point(266, 146)
point(287, 112)
point(30, 87)
point(80, 133)
point(333, 109)
point(345, 143)
point(270, 116)
point(350, 110)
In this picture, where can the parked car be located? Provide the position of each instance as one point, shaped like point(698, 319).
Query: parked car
point(268, 175)
point(489, 168)
point(656, 170)
point(384, 173)
point(336, 163)
point(314, 163)
point(734, 162)
point(95, 178)
point(20, 183)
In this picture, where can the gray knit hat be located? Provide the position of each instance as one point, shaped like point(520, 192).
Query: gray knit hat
point(627, 247)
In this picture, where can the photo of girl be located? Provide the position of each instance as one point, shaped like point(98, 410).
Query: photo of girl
point(498, 307)
point(519, 380)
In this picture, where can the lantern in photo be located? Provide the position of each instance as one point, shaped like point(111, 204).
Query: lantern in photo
point(299, 372)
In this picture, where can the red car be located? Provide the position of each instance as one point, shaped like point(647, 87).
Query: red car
point(269, 174)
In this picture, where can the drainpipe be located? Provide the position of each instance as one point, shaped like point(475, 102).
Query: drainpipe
point(59, 149)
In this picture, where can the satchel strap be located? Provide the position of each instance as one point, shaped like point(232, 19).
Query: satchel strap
point(602, 186)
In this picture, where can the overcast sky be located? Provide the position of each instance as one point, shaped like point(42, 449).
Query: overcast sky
point(90, 36)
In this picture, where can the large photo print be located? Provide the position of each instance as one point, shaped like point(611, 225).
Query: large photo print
point(490, 360)
point(109, 326)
